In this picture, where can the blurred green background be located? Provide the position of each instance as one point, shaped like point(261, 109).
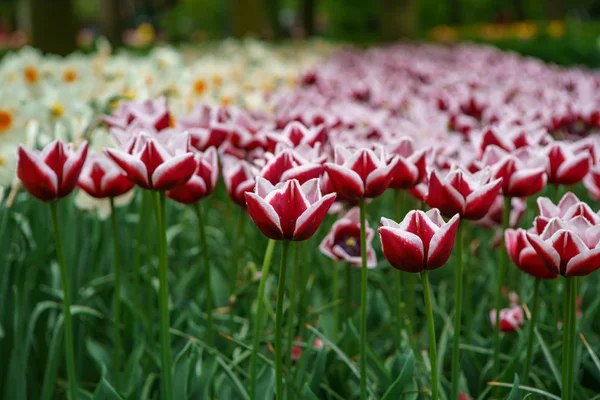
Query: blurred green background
point(561, 31)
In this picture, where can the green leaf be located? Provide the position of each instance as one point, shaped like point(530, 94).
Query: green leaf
point(590, 351)
point(265, 384)
point(397, 388)
point(514, 393)
point(308, 394)
point(548, 357)
point(182, 372)
point(105, 391)
point(132, 375)
point(318, 370)
point(54, 356)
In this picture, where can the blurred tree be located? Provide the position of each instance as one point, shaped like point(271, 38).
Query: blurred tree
point(111, 21)
point(273, 9)
point(308, 16)
point(53, 26)
point(246, 17)
point(399, 19)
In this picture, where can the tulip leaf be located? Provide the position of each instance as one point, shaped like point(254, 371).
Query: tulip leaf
point(308, 393)
point(514, 393)
point(182, 369)
point(105, 391)
point(548, 357)
point(398, 387)
point(55, 352)
point(318, 370)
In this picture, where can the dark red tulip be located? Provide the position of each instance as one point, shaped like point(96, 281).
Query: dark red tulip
point(288, 210)
point(288, 164)
point(567, 166)
point(524, 255)
point(102, 178)
point(239, 177)
point(523, 171)
point(52, 173)
point(511, 319)
point(203, 181)
point(422, 241)
point(410, 169)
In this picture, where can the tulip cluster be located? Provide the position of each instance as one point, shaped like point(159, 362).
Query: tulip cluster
point(405, 123)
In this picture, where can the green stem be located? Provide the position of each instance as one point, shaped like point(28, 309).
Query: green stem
point(260, 299)
point(530, 332)
point(363, 302)
point(568, 340)
point(348, 296)
point(117, 296)
point(336, 295)
point(238, 237)
point(457, 311)
point(69, 353)
point(163, 299)
point(207, 277)
point(137, 260)
point(291, 308)
point(431, 333)
point(279, 321)
point(500, 280)
point(399, 206)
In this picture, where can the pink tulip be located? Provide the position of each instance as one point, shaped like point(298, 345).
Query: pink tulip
point(511, 319)
point(203, 181)
point(102, 178)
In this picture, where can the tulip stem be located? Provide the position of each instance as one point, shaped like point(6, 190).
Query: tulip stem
point(399, 207)
point(457, 311)
point(431, 333)
point(207, 277)
point(163, 300)
point(336, 294)
point(291, 311)
point(117, 295)
point(500, 280)
point(137, 261)
point(68, 324)
point(568, 339)
point(235, 256)
point(348, 296)
point(279, 321)
point(530, 332)
point(260, 300)
point(363, 301)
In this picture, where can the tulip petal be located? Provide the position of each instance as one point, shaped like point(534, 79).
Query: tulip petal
point(174, 172)
point(549, 256)
point(526, 182)
point(378, 180)
point(574, 169)
point(583, 264)
point(264, 216)
point(441, 244)
point(480, 201)
point(132, 166)
point(444, 197)
point(72, 169)
point(346, 182)
point(310, 220)
point(403, 250)
point(37, 177)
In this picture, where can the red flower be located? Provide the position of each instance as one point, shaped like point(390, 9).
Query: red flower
point(149, 164)
point(568, 164)
point(207, 127)
point(288, 210)
point(592, 182)
point(342, 243)
point(422, 241)
point(570, 247)
point(295, 134)
point(203, 181)
point(362, 173)
point(511, 319)
point(148, 113)
point(523, 172)
point(410, 169)
point(239, 177)
point(568, 207)
point(52, 173)
point(101, 177)
point(460, 192)
point(288, 164)
point(524, 255)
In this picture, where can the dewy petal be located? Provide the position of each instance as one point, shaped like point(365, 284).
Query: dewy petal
point(132, 166)
point(389, 223)
point(310, 220)
point(402, 249)
point(174, 172)
point(378, 180)
point(37, 177)
point(441, 244)
point(264, 216)
point(584, 263)
point(480, 201)
point(346, 182)
point(549, 256)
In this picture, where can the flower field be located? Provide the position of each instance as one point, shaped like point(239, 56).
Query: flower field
point(300, 221)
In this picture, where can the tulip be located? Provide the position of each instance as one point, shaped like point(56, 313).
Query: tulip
point(459, 192)
point(102, 178)
point(295, 134)
point(287, 164)
point(511, 319)
point(289, 210)
point(359, 174)
point(592, 182)
point(342, 243)
point(420, 243)
point(52, 173)
point(203, 181)
point(567, 164)
point(410, 169)
point(154, 165)
point(207, 127)
point(239, 177)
